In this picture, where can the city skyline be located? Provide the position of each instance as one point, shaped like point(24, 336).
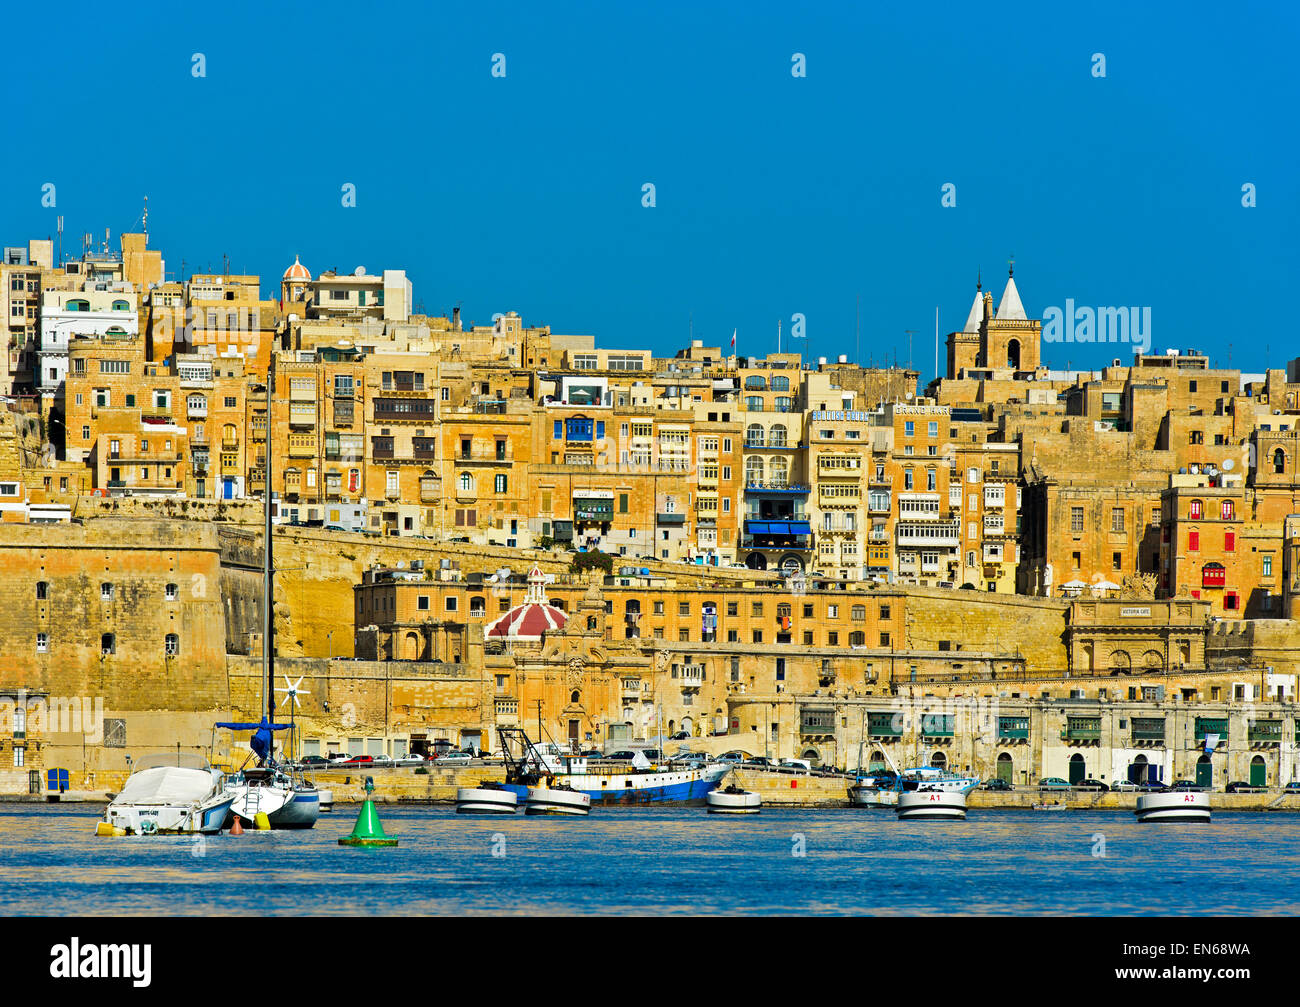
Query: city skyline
point(524, 192)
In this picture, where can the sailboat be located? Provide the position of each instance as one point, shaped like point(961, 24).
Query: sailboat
point(288, 800)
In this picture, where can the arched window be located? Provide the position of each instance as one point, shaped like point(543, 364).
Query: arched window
point(106, 591)
point(776, 436)
point(477, 607)
point(754, 436)
point(1013, 354)
point(1279, 461)
point(780, 383)
point(121, 305)
point(77, 304)
point(754, 470)
point(171, 592)
point(465, 482)
point(1226, 510)
point(780, 470)
point(573, 696)
point(755, 382)
point(42, 590)
point(171, 645)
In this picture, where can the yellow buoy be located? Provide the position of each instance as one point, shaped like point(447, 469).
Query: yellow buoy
point(108, 829)
point(261, 822)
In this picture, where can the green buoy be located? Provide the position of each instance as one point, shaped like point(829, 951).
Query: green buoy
point(368, 831)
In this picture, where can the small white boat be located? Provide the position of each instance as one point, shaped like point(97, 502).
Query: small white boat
point(168, 795)
point(286, 802)
point(733, 801)
point(1054, 806)
point(931, 803)
point(865, 794)
point(486, 799)
point(1173, 806)
point(544, 800)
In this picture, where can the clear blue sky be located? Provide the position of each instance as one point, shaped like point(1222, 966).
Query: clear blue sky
point(775, 195)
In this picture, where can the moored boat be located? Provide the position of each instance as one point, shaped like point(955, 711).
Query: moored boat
point(931, 803)
point(168, 795)
point(486, 799)
point(556, 799)
point(1173, 806)
point(733, 800)
point(1054, 806)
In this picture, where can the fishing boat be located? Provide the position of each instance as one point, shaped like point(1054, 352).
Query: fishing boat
point(289, 800)
point(638, 782)
point(1173, 806)
point(733, 800)
point(168, 795)
point(931, 802)
point(486, 799)
point(552, 798)
point(1054, 806)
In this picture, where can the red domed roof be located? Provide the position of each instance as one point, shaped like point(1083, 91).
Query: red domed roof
point(531, 619)
point(297, 271)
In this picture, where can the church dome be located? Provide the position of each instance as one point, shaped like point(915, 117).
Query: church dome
point(297, 271)
point(531, 619)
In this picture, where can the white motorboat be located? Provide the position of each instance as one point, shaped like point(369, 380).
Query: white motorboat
point(870, 793)
point(486, 799)
point(1173, 806)
point(733, 801)
point(556, 800)
point(931, 802)
point(168, 795)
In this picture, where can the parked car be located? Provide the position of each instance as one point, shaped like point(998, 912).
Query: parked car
point(383, 762)
point(760, 762)
point(995, 784)
point(359, 760)
point(593, 753)
point(339, 758)
point(1091, 784)
point(680, 736)
point(1292, 788)
point(733, 758)
point(1124, 786)
point(313, 762)
point(1150, 786)
point(1187, 785)
point(803, 764)
point(1242, 787)
point(622, 755)
point(411, 759)
point(1052, 783)
point(455, 756)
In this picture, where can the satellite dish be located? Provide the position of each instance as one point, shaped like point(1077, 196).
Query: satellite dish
point(359, 271)
point(401, 564)
point(1227, 464)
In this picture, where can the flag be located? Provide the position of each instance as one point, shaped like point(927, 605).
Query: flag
point(733, 339)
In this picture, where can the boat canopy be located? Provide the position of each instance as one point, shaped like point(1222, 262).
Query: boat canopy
point(170, 785)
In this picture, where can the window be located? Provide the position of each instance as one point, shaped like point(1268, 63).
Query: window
point(451, 603)
point(1117, 519)
point(107, 644)
point(1225, 510)
point(42, 643)
point(1193, 541)
point(170, 592)
point(171, 645)
point(1268, 566)
point(42, 590)
point(106, 591)
point(499, 483)
point(1076, 519)
point(1229, 541)
point(1194, 510)
point(422, 603)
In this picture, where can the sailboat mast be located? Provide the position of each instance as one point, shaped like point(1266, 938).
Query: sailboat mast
point(268, 603)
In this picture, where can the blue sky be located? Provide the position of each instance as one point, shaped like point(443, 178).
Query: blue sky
point(775, 195)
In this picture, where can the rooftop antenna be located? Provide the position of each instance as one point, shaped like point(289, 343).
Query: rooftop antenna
point(909, 348)
point(857, 329)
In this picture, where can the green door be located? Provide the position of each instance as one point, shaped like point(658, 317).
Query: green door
point(1004, 767)
point(1258, 772)
point(1077, 769)
point(1204, 772)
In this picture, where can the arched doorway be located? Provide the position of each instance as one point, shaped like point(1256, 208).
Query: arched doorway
point(1204, 772)
point(876, 762)
point(1139, 770)
point(939, 760)
point(812, 756)
point(1258, 772)
point(413, 647)
point(1006, 768)
point(1078, 770)
point(756, 561)
point(688, 725)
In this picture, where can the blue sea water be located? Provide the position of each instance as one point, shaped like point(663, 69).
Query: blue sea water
point(663, 861)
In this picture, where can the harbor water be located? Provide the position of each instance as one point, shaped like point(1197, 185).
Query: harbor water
point(663, 861)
